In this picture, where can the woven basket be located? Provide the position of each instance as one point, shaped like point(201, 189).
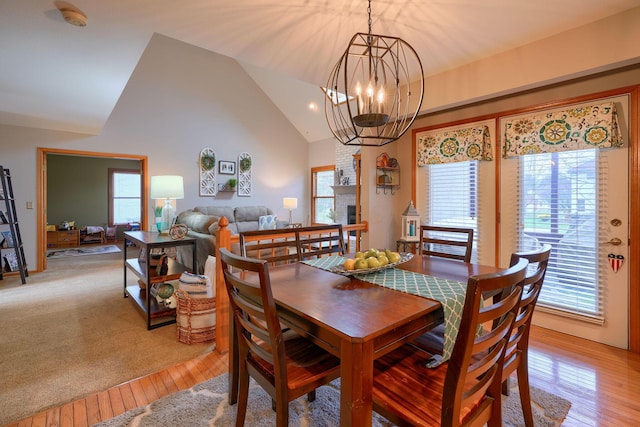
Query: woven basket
point(195, 318)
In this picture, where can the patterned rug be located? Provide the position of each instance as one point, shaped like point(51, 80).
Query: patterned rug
point(206, 405)
point(92, 250)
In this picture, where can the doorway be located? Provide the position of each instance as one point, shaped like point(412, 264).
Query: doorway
point(42, 198)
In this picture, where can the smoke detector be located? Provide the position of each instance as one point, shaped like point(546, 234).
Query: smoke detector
point(73, 16)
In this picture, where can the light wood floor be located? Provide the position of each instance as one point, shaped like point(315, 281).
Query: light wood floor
point(603, 384)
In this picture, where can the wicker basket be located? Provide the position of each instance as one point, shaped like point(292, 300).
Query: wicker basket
point(195, 318)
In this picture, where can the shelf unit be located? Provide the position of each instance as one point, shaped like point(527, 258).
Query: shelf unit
point(156, 314)
point(10, 219)
point(387, 179)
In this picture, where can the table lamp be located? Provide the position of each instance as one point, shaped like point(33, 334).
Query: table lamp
point(167, 187)
point(290, 203)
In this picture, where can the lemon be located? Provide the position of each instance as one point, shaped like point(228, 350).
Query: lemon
point(361, 263)
point(350, 264)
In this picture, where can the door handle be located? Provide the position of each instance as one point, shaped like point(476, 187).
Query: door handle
point(615, 242)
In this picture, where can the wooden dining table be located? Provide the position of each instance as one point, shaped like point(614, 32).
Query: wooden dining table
point(355, 320)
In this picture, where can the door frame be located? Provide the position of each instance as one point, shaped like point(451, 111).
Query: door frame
point(41, 191)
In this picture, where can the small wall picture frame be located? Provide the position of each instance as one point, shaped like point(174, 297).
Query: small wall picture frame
point(226, 168)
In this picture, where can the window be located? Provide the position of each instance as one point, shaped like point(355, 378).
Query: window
point(559, 202)
point(125, 202)
point(452, 197)
point(323, 199)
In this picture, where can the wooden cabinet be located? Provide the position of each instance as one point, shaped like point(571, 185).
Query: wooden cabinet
point(63, 238)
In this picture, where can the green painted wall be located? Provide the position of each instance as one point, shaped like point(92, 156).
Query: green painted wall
point(78, 188)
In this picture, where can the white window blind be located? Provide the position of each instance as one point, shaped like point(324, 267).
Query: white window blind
point(452, 197)
point(559, 202)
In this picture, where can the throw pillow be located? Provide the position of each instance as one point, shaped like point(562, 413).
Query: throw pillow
point(267, 222)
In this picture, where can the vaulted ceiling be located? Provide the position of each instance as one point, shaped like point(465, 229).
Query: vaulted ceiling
point(58, 76)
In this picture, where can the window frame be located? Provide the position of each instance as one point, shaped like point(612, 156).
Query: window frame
point(112, 172)
point(314, 171)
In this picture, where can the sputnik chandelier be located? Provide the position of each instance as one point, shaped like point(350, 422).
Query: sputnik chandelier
point(370, 93)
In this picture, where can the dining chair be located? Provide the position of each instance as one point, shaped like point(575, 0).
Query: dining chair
point(465, 390)
point(516, 355)
point(277, 246)
point(285, 367)
point(446, 242)
point(320, 240)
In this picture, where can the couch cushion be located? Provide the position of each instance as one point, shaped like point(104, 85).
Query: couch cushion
point(197, 221)
point(251, 213)
point(267, 222)
point(219, 211)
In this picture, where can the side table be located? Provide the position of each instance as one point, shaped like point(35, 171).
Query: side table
point(413, 246)
point(148, 241)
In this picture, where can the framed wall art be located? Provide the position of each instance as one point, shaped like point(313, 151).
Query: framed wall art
point(226, 168)
point(207, 172)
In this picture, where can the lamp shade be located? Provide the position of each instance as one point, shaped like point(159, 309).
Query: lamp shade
point(167, 187)
point(290, 203)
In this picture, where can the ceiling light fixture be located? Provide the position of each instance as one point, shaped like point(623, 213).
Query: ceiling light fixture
point(73, 16)
point(369, 98)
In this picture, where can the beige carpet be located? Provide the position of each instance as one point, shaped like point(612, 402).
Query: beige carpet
point(206, 405)
point(69, 332)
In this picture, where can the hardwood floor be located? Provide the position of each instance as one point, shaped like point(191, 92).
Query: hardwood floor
point(602, 382)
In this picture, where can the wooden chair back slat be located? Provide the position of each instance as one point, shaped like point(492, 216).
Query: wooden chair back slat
point(278, 246)
point(320, 240)
point(446, 242)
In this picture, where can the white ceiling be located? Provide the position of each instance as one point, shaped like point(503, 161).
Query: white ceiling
point(54, 75)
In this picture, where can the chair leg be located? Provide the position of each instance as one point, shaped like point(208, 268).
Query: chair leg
point(243, 396)
point(523, 387)
point(282, 413)
point(311, 396)
point(505, 386)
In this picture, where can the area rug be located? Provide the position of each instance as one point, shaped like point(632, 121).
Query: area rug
point(206, 405)
point(69, 332)
point(93, 250)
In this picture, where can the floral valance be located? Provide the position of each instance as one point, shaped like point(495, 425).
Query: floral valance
point(591, 126)
point(455, 145)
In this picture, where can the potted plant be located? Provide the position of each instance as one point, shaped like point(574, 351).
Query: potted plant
point(232, 183)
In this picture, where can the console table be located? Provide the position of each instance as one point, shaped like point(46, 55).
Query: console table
point(135, 241)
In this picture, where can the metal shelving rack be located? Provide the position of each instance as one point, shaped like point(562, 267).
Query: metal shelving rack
point(11, 219)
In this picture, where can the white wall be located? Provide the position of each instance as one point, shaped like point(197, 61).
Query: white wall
point(179, 99)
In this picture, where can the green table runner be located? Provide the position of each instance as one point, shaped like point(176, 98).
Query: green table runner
point(449, 293)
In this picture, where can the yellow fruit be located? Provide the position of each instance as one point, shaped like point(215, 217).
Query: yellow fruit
point(359, 255)
point(394, 257)
point(373, 262)
point(350, 264)
point(361, 263)
point(383, 260)
point(371, 253)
